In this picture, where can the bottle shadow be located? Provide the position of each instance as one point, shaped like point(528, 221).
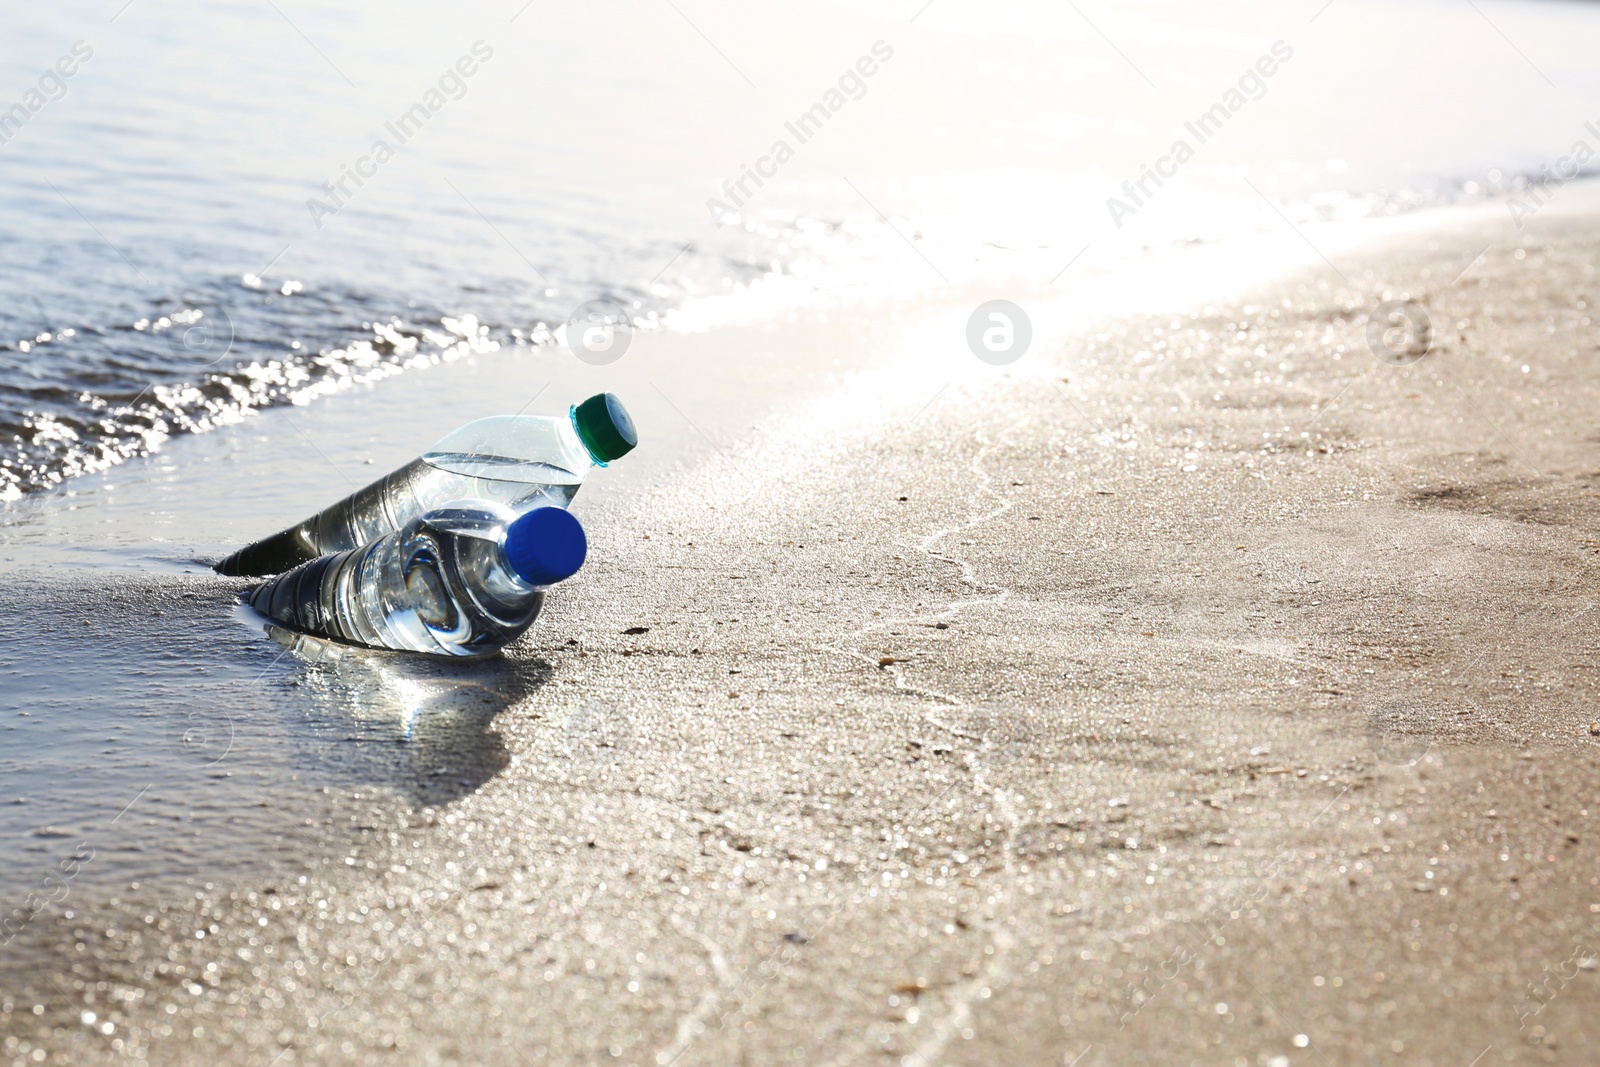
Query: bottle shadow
point(420, 725)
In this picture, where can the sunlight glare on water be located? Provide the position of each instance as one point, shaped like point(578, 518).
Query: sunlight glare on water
point(237, 175)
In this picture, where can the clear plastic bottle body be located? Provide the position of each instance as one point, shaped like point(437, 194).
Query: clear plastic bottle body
point(441, 584)
point(519, 461)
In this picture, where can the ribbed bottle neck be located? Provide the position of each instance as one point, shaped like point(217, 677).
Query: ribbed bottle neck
point(577, 436)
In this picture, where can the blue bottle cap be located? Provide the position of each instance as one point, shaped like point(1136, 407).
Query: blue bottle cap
point(546, 545)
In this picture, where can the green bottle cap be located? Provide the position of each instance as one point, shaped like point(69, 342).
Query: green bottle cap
point(604, 426)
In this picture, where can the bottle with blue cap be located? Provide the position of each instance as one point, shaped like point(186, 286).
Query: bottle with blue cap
point(520, 461)
point(465, 579)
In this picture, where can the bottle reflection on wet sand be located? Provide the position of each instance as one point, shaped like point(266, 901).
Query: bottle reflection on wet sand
point(421, 726)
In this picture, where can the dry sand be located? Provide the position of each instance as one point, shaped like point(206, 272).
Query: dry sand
point(1206, 691)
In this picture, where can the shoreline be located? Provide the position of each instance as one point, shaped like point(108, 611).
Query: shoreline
point(1248, 259)
point(1259, 648)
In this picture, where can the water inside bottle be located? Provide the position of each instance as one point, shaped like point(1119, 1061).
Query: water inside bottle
point(439, 584)
point(458, 594)
point(504, 480)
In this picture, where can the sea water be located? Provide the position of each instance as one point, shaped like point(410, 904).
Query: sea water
point(991, 142)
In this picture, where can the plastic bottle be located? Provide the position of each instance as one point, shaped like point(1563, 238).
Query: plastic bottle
point(461, 580)
point(521, 461)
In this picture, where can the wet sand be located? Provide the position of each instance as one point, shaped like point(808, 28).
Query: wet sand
point(1198, 690)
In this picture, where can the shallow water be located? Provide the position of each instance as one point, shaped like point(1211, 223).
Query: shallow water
point(198, 735)
point(181, 172)
point(164, 275)
point(158, 740)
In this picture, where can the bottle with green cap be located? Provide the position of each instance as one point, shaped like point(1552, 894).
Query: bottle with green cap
point(520, 461)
